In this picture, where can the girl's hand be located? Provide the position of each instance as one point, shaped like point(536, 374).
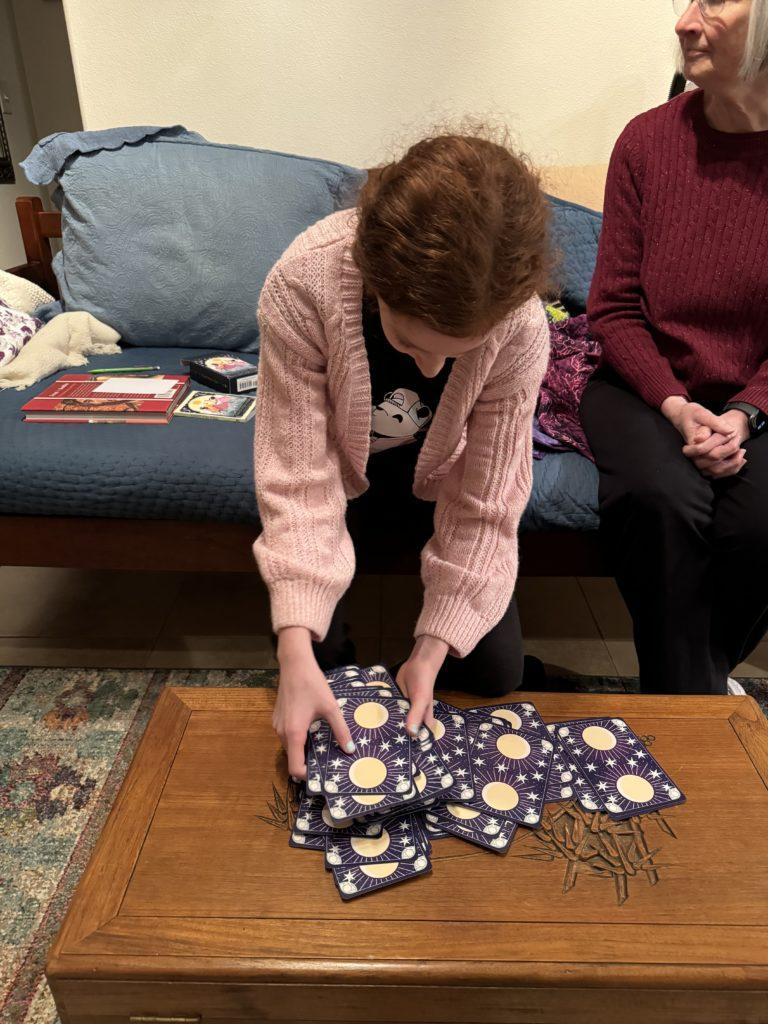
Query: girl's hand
point(303, 695)
point(416, 679)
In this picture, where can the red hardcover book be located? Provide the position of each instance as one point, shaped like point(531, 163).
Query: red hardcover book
point(79, 398)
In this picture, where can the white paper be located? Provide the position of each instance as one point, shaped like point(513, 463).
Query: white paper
point(135, 385)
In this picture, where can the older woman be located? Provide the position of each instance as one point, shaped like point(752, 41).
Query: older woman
point(679, 301)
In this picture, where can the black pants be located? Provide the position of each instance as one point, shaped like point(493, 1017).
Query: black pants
point(690, 554)
point(391, 518)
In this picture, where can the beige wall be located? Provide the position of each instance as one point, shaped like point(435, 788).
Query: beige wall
point(351, 79)
point(20, 128)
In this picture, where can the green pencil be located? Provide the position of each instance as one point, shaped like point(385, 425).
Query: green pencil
point(124, 369)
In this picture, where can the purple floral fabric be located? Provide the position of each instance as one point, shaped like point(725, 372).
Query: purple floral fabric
point(574, 357)
point(16, 328)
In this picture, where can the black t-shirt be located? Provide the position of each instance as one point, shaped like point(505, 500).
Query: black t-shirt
point(404, 401)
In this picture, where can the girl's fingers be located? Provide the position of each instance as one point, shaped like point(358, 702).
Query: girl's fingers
point(294, 748)
point(335, 719)
point(421, 706)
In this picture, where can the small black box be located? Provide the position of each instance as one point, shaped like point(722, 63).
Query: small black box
point(224, 372)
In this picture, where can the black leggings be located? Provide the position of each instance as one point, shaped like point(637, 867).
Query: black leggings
point(392, 519)
point(690, 554)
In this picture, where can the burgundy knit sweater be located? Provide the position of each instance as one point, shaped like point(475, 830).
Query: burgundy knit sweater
point(679, 300)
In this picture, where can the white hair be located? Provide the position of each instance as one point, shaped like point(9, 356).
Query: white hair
point(755, 59)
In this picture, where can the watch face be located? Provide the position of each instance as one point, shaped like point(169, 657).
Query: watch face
point(758, 422)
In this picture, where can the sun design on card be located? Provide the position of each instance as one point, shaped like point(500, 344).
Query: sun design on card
point(596, 846)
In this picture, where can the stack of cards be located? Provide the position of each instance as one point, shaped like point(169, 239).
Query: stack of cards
point(479, 775)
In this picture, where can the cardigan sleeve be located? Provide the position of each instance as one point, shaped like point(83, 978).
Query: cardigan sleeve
point(614, 307)
point(469, 566)
point(304, 552)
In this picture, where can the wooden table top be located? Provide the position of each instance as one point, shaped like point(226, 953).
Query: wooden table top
point(193, 876)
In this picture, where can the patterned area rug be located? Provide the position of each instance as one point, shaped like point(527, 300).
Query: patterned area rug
point(67, 737)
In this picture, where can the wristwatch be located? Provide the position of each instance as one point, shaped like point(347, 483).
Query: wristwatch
point(756, 418)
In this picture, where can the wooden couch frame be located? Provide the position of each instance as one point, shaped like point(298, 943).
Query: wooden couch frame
point(183, 546)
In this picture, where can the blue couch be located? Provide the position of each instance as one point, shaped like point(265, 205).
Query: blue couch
point(182, 495)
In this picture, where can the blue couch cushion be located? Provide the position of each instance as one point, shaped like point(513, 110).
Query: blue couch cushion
point(564, 494)
point(192, 469)
point(575, 235)
point(168, 238)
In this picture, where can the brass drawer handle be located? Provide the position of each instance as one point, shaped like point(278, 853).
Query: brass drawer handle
point(165, 1020)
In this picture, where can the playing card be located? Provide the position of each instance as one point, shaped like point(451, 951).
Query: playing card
point(435, 831)
point(378, 674)
point(451, 745)
point(432, 777)
point(355, 805)
point(582, 789)
point(314, 818)
point(464, 823)
point(559, 784)
point(313, 766)
point(461, 814)
point(510, 771)
point(358, 880)
point(354, 677)
point(401, 840)
point(519, 714)
point(625, 776)
point(347, 675)
point(377, 690)
point(383, 759)
point(522, 711)
point(305, 842)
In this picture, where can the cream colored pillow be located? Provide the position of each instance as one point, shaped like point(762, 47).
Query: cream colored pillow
point(18, 293)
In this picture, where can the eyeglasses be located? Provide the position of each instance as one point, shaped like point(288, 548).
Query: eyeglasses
point(708, 8)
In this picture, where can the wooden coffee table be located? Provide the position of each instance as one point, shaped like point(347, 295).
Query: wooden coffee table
point(194, 907)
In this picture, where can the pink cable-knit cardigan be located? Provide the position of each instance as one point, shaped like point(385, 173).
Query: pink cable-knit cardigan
point(312, 432)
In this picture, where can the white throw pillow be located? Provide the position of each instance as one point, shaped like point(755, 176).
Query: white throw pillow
point(18, 293)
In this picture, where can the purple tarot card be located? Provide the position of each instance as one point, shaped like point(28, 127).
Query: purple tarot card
point(626, 777)
point(510, 772)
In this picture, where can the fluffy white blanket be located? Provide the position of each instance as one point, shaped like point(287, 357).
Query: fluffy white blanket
point(63, 342)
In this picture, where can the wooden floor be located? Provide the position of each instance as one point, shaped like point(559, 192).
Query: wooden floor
point(61, 617)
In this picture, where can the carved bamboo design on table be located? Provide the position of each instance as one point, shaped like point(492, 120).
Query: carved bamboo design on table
point(593, 843)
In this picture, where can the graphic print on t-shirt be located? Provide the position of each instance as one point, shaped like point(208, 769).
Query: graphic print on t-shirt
point(401, 418)
point(403, 400)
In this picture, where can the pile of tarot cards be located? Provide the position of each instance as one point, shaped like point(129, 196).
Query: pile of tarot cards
point(479, 775)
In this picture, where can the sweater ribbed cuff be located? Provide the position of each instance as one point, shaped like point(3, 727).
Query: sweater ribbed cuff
point(654, 390)
point(303, 604)
point(753, 394)
point(450, 618)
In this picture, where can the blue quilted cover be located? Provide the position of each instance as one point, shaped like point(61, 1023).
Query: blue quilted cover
point(575, 235)
point(191, 470)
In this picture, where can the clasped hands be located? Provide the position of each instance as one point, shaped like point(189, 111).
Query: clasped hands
point(713, 443)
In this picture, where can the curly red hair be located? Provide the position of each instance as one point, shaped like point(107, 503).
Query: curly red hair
point(454, 233)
